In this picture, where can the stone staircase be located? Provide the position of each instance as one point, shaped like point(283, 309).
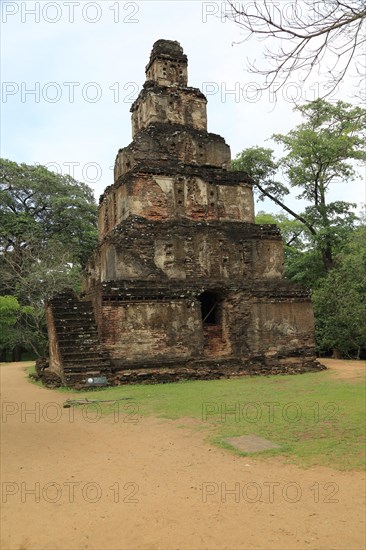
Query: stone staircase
point(76, 333)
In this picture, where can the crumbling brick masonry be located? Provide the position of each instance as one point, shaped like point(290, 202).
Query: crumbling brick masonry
point(183, 284)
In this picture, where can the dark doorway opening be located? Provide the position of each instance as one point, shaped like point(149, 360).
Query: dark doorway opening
point(210, 308)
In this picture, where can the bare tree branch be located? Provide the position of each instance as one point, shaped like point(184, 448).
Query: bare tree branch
point(312, 29)
point(286, 208)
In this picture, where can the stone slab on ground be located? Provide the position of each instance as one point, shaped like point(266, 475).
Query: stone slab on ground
point(251, 443)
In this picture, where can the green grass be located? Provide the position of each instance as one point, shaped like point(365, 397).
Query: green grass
point(316, 420)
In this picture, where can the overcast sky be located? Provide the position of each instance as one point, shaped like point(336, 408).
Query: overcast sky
point(71, 70)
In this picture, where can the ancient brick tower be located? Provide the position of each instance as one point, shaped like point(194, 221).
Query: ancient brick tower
point(183, 284)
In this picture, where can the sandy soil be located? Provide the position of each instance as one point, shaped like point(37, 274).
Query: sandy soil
point(69, 482)
point(345, 370)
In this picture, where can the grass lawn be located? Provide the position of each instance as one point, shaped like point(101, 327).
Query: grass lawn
point(314, 418)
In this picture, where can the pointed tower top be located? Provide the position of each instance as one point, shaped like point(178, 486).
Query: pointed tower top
point(168, 64)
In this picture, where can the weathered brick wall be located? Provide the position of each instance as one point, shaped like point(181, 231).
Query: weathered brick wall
point(281, 327)
point(267, 259)
point(149, 331)
point(162, 197)
point(261, 326)
point(271, 321)
point(159, 143)
point(185, 106)
point(265, 326)
point(219, 251)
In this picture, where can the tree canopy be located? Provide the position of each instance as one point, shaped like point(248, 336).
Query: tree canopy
point(324, 241)
point(339, 296)
point(340, 301)
point(36, 204)
point(320, 151)
point(47, 232)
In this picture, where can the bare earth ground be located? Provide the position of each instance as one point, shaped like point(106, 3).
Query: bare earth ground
point(156, 485)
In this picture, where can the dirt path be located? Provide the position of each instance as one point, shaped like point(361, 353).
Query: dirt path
point(345, 370)
point(153, 485)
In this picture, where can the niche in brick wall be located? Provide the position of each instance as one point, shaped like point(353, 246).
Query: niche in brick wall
point(210, 308)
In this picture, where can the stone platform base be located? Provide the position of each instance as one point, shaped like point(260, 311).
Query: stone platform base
point(191, 370)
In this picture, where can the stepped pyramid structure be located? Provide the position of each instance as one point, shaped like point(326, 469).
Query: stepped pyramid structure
point(183, 283)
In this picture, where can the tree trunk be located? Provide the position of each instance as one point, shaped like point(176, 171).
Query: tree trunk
point(327, 251)
point(327, 258)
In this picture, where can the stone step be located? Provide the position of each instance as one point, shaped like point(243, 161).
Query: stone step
point(84, 369)
point(77, 336)
point(78, 329)
point(73, 314)
point(77, 343)
point(82, 360)
point(97, 354)
point(73, 367)
point(86, 318)
point(59, 300)
point(73, 310)
point(71, 303)
point(74, 319)
point(77, 350)
point(83, 356)
point(86, 338)
point(79, 325)
point(63, 325)
point(80, 343)
point(78, 333)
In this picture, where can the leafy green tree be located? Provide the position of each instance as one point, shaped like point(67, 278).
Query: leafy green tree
point(320, 151)
point(339, 296)
point(293, 232)
point(340, 301)
point(39, 205)
point(9, 309)
point(324, 248)
point(20, 328)
point(41, 270)
point(48, 230)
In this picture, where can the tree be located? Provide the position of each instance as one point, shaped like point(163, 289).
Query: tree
point(340, 301)
point(47, 232)
point(302, 36)
point(21, 327)
point(39, 205)
point(38, 272)
point(9, 308)
point(339, 296)
point(47, 224)
point(319, 151)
